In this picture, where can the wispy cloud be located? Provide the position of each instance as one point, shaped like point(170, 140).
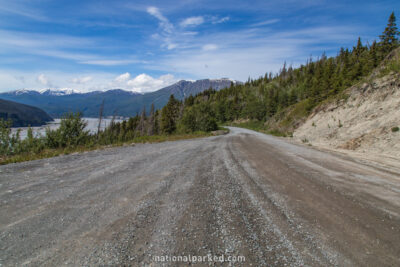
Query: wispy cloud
point(12, 7)
point(41, 40)
point(110, 62)
point(58, 46)
point(167, 29)
point(163, 21)
point(177, 37)
point(265, 22)
point(254, 51)
point(192, 21)
point(217, 20)
point(210, 47)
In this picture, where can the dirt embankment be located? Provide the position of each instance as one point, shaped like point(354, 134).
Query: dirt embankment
point(364, 124)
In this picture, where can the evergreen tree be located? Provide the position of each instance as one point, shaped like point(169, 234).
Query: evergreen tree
point(169, 115)
point(389, 35)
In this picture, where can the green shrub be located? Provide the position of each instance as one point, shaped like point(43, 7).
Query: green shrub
point(70, 133)
point(188, 121)
point(199, 117)
point(395, 129)
point(8, 141)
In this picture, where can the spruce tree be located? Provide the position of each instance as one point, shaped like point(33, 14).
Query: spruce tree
point(169, 115)
point(389, 36)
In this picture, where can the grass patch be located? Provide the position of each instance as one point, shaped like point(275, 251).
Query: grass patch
point(288, 119)
point(49, 153)
point(392, 66)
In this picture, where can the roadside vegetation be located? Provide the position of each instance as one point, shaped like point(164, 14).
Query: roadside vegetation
point(72, 137)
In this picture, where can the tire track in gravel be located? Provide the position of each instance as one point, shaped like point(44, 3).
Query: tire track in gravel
point(277, 230)
point(342, 225)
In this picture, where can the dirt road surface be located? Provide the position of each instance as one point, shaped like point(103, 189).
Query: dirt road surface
point(241, 194)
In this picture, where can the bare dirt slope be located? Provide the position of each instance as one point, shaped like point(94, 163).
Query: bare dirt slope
point(360, 125)
point(241, 194)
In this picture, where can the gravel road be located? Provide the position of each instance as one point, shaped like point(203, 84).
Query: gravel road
point(241, 194)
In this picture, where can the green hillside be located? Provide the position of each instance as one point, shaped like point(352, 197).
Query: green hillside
point(22, 115)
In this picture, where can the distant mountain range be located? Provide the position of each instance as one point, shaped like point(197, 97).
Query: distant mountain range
point(22, 115)
point(116, 102)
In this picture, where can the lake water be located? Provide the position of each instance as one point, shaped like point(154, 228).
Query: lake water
point(92, 125)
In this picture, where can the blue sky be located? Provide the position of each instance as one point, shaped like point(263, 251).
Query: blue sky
point(145, 45)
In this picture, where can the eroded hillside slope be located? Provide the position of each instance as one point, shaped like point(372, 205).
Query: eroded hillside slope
point(366, 122)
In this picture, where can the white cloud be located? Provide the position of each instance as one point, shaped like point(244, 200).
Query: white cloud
point(42, 79)
point(82, 80)
point(192, 21)
point(123, 77)
point(209, 47)
point(144, 83)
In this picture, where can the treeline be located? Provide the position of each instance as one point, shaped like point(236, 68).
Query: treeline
point(175, 117)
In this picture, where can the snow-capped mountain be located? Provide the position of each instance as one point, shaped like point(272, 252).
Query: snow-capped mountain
point(59, 92)
point(55, 92)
